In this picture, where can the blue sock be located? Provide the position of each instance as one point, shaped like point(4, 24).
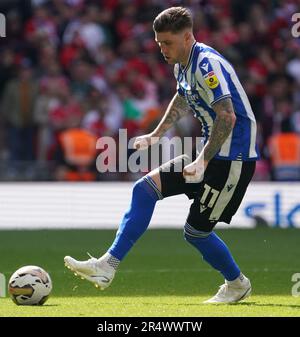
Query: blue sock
point(216, 253)
point(137, 218)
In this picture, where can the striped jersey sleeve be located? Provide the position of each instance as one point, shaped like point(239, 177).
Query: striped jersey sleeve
point(213, 79)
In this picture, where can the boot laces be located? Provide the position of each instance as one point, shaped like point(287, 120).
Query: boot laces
point(223, 289)
point(91, 257)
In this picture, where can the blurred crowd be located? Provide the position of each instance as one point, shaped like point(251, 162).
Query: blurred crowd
point(75, 70)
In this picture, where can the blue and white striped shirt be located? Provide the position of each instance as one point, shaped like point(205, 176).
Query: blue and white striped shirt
point(207, 78)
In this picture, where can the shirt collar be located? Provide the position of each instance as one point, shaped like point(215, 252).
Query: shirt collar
point(190, 58)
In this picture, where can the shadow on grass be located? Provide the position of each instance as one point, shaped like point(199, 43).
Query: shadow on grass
point(248, 304)
point(42, 306)
point(292, 306)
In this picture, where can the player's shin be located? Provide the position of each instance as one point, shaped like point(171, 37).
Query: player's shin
point(214, 251)
point(145, 194)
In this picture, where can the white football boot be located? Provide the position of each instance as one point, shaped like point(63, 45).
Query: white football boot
point(232, 291)
point(98, 271)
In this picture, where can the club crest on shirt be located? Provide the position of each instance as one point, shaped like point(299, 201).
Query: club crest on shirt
point(211, 80)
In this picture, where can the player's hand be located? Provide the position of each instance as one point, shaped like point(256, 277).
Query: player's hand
point(143, 142)
point(194, 172)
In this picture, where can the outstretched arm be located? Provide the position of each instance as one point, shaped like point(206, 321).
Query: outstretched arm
point(176, 109)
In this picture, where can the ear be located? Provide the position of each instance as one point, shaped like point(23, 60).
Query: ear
point(187, 35)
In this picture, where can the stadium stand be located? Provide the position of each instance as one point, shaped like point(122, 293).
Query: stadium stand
point(97, 61)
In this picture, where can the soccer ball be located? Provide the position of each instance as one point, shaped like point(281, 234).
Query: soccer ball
point(30, 285)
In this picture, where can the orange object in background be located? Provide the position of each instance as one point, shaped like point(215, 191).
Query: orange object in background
point(79, 149)
point(79, 176)
point(150, 117)
point(79, 146)
point(284, 149)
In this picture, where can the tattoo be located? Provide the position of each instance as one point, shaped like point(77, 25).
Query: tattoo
point(177, 108)
point(221, 129)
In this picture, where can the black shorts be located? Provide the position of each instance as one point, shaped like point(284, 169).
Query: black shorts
point(217, 197)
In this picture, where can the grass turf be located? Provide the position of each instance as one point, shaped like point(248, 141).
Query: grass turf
point(162, 275)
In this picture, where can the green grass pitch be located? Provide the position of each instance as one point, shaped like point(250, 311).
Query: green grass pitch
point(163, 276)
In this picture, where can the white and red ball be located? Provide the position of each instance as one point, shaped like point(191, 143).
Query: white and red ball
point(30, 285)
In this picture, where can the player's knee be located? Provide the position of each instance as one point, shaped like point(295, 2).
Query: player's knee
point(138, 185)
point(146, 185)
point(191, 234)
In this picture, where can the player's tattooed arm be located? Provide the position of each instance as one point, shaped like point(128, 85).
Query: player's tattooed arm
point(176, 109)
point(222, 127)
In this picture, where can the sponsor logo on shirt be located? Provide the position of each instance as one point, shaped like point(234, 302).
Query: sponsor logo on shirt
point(211, 80)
